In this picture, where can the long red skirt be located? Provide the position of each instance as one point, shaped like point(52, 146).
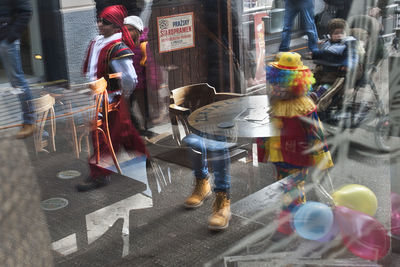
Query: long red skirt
point(123, 134)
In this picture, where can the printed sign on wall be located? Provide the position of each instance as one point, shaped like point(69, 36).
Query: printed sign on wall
point(175, 32)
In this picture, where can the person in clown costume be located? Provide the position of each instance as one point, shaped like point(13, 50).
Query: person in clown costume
point(300, 143)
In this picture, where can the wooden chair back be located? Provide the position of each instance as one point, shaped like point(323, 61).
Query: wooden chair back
point(185, 100)
point(95, 121)
point(99, 91)
point(102, 106)
point(193, 96)
point(44, 109)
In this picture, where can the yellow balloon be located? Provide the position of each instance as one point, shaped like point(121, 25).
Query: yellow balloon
point(356, 197)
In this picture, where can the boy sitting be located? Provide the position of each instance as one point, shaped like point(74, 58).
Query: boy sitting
point(337, 55)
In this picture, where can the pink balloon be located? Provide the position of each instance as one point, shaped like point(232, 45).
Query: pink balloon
point(395, 200)
point(362, 234)
point(395, 223)
point(395, 218)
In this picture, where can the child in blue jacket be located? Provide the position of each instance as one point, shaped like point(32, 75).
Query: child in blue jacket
point(336, 56)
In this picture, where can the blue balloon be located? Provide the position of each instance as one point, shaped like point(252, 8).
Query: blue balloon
point(313, 220)
point(332, 233)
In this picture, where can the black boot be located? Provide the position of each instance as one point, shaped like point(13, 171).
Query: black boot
point(91, 184)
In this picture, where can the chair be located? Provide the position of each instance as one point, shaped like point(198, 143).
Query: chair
point(69, 114)
point(185, 100)
point(43, 106)
point(103, 107)
point(77, 116)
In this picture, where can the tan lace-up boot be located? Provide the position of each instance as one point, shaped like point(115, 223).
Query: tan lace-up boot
point(201, 191)
point(26, 130)
point(221, 212)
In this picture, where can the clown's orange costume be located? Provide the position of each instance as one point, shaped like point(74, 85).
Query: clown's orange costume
point(301, 143)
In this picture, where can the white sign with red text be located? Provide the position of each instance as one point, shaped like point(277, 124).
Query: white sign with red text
point(175, 32)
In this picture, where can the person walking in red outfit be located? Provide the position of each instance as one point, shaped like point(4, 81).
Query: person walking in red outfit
point(109, 53)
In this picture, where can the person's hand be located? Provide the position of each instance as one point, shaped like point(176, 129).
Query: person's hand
point(375, 12)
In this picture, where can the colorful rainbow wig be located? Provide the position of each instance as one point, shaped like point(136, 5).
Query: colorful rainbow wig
point(297, 82)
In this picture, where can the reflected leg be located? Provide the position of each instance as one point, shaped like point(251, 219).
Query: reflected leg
point(11, 59)
point(291, 11)
point(293, 193)
point(221, 167)
point(220, 161)
point(307, 18)
point(198, 154)
point(202, 189)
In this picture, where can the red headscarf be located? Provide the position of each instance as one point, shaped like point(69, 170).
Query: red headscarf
point(116, 14)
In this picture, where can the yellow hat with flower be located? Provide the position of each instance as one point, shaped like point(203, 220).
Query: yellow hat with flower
point(289, 76)
point(289, 61)
point(290, 82)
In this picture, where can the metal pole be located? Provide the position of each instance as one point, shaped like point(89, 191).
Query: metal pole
point(394, 109)
point(220, 49)
point(230, 40)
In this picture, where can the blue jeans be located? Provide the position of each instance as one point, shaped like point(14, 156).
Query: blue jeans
point(220, 160)
point(11, 58)
point(306, 10)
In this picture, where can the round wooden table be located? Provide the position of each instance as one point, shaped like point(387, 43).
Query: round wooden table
point(237, 118)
